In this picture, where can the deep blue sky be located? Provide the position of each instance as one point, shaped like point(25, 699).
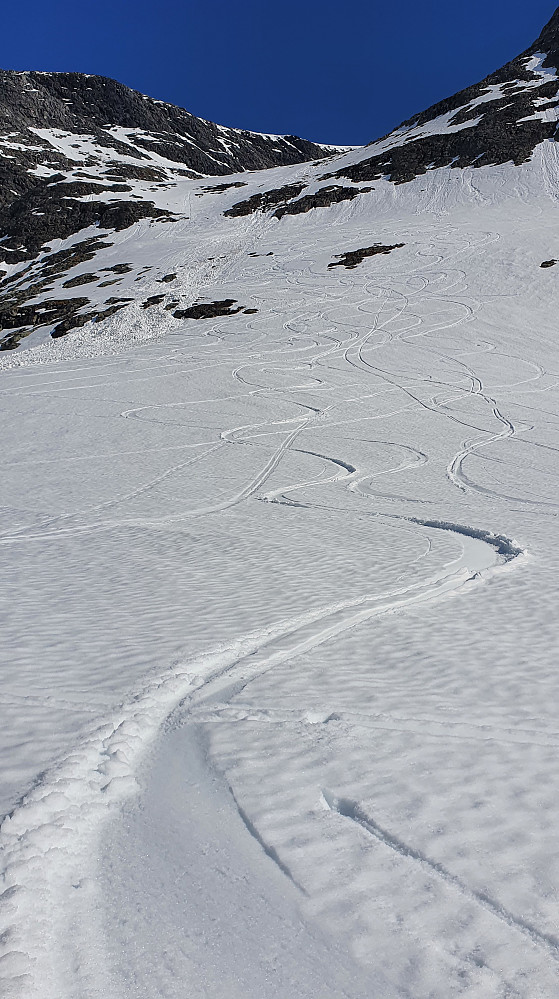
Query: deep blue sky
point(329, 71)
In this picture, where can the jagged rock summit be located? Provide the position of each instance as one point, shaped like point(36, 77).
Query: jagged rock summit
point(83, 159)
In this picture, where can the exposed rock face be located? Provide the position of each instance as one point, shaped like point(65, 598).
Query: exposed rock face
point(55, 211)
point(286, 200)
point(502, 118)
point(107, 110)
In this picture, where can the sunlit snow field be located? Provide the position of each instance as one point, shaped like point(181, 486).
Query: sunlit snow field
point(279, 629)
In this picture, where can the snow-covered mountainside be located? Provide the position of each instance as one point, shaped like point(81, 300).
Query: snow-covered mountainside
point(280, 549)
point(83, 158)
point(79, 152)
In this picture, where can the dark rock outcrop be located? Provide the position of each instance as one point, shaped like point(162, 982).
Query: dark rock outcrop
point(354, 257)
point(219, 188)
point(333, 194)
point(152, 300)
point(210, 310)
point(80, 279)
point(65, 313)
point(266, 200)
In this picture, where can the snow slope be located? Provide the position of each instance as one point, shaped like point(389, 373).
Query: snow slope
point(279, 675)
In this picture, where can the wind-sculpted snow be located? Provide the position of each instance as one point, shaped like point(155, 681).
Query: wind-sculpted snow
point(46, 839)
point(279, 630)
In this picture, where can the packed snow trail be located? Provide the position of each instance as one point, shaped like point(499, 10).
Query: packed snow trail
point(65, 810)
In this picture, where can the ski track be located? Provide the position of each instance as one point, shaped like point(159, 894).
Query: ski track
point(352, 810)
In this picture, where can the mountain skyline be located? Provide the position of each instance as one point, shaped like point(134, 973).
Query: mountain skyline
point(226, 64)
